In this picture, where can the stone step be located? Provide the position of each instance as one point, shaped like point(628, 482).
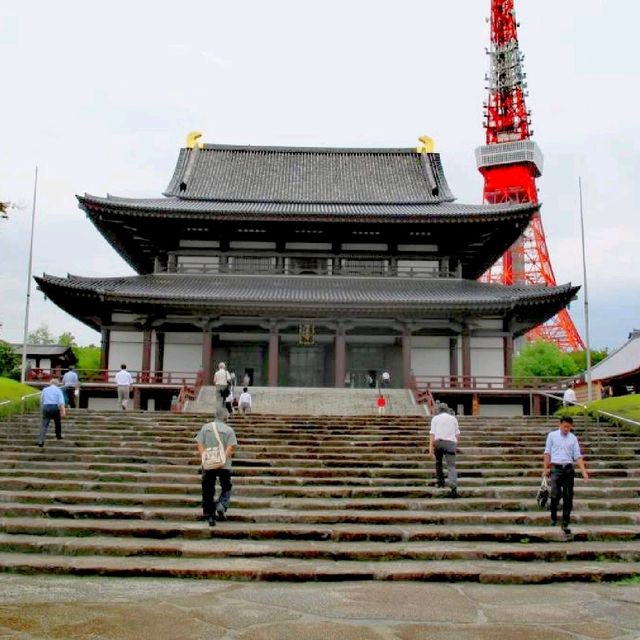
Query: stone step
point(245, 498)
point(305, 487)
point(599, 551)
point(486, 572)
point(193, 528)
point(338, 515)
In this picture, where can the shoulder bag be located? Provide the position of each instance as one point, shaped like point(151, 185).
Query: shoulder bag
point(214, 457)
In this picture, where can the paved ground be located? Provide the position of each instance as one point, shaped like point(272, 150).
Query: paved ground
point(34, 607)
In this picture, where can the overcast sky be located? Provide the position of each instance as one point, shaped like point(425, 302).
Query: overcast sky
point(101, 95)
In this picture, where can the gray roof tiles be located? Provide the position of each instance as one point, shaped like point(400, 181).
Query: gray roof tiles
point(309, 176)
point(443, 211)
point(309, 290)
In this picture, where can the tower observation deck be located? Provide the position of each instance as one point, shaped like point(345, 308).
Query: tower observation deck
point(510, 162)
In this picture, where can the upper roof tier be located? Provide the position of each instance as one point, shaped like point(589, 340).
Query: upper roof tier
point(309, 175)
point(222, 194)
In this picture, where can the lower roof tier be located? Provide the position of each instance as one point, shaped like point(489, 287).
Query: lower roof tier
point(93, 300)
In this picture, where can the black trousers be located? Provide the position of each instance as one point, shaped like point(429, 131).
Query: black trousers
point(561, 481)
point(209, 489)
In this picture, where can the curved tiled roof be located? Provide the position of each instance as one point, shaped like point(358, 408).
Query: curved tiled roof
point(624, 361)
point(389, 297)
point(309, 175)
point(415, 212)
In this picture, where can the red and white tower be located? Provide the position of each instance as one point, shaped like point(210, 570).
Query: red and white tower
point(510, 162)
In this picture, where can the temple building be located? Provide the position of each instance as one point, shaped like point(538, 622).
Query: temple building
point(307, 267)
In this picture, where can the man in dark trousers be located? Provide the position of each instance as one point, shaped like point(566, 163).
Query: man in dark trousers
point(443, 443)
point(52, 408)
point(206, 439)
point(561, 454)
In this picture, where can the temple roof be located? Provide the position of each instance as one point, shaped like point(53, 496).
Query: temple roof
point(313, 296)
point(624, 361)
point(309, 175)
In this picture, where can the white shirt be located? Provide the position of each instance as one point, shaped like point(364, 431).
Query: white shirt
point(221, 377)
point(385, 375)
point(245, 398)
point(444, 426)
point(123, 378)
point(562, 448)
point(569, 396)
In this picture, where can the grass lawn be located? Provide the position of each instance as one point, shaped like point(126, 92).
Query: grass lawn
point(623, 406)
point(13, 391)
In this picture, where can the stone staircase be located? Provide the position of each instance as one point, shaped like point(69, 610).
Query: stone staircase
point(317, 401)
point(315, 498)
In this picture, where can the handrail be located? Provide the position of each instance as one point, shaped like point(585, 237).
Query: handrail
point(465, 382)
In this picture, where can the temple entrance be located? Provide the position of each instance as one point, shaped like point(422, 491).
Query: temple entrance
point(306, 366)
point(365, 364)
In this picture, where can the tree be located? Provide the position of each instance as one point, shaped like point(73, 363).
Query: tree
point(67, 339)
point(544, 360)
point(580, 357)
point(9, 359)
point(41, 335)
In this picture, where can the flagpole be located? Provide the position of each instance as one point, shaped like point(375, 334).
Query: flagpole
point(586, 297)
point(23, 368)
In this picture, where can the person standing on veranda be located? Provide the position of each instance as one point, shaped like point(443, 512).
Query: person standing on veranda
point(70, 383)
point(124, 382)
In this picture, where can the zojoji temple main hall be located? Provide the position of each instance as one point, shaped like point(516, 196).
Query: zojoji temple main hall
point(307, 267)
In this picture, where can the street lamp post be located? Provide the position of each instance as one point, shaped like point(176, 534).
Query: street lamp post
point(23, 368)
point(586, 298)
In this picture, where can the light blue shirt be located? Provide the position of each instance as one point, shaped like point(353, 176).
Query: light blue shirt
point(70, 379)
point(562, 449)
point(51, 395)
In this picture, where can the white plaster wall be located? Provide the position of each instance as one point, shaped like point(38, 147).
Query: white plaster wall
point(183, 352)
point(487, 358)
point(125, 347)
point(106, 404)
point(501, 410)
point(430, 356)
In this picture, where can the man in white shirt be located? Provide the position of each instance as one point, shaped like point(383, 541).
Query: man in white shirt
point(569, 397)
point(124, 382)
point(244, 401)
point(221, 381)
point(443, 441)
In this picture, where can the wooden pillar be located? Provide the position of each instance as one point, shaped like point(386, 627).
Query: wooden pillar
point(508, 359)
point(453, 361)
point(105, 337)
point(136, 398)
point(207, 356)
point(147, 336)
point(466, 358)
point(274, 355)
point(159, 356)
point(340, 344)
point(406, 358)
point(536, 408)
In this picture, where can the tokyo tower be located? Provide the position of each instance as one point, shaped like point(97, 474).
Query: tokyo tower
point(510, 162)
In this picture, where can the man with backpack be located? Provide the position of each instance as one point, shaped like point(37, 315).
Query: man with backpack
point(216, 435)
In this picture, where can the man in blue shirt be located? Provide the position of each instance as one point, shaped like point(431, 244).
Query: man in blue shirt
point(52, 407)
point(561, 452)
point(69, 384)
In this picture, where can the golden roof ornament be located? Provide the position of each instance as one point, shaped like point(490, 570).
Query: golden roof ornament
point(428, 145)
point(192, 140)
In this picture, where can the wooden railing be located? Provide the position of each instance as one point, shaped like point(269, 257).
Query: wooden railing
point(188, 392)
point(107, 376)
point(494, 383)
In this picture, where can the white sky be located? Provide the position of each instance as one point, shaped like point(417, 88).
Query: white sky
point(101, 95)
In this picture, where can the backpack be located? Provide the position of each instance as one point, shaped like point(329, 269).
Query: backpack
point(214, 457)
